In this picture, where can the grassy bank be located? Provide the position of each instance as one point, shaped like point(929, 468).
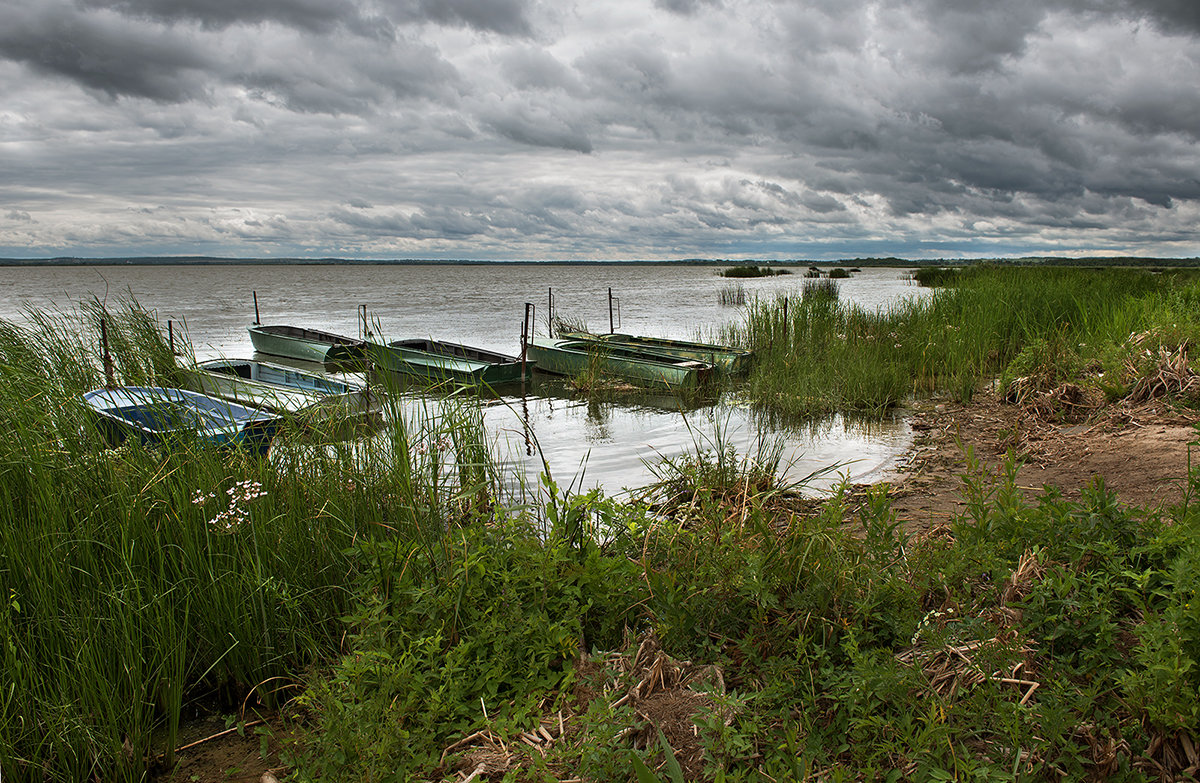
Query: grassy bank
point(1101, 328)
point(725, 638)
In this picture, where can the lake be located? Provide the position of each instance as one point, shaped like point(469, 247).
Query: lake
point(585, 443)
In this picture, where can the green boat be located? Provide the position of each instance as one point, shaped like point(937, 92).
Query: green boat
point(730, 360)
point(439, 361)
point(639, 366)
point(309, 345)
point(282, 389)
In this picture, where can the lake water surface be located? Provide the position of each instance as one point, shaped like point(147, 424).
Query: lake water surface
point(589, 443)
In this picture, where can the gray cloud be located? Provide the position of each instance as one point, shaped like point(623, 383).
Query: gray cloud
point(102, 53)
point(685, 7)
point(506, 17)
point(311, 15)
point(530, 129)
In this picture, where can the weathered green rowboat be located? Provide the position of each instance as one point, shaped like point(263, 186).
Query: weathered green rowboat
point(730, 360)
point(439, 361)
point(283, 389)
point(309, 345)
point(639, 366)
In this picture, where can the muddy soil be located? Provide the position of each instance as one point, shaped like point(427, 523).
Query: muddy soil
point(1141, 452)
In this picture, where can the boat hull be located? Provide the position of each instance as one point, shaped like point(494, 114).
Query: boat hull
point(438, 361)
point(282, 389)
point(155, 414)
point(309, 345)
point(640, 367)
point(729, 360)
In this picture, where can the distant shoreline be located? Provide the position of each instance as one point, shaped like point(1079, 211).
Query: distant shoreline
point(70, 261)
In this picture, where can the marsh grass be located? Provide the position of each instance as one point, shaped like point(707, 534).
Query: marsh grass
point(732, 295)
point(754, 271)
point(824, 288)
point(136, 580)
point(825, 356)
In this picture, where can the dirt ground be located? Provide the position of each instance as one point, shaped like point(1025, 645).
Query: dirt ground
point(212, 750)
point(1141, 452)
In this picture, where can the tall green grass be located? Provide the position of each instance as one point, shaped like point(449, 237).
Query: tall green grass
point(137, 580)
point(833, 651)
point(818, 356)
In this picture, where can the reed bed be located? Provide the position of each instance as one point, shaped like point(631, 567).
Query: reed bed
point(137, 580)
point(419, 628)
point(732, 295)
point(817, 355)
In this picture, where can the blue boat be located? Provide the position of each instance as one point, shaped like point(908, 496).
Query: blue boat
point(155, 414)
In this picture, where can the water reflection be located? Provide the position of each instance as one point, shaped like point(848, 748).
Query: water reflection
point(611, 442)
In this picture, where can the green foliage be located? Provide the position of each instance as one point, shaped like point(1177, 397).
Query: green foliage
point(432, 660)
point(821, 355)
point(419, 609)
point(138, 579)
point(753, 271)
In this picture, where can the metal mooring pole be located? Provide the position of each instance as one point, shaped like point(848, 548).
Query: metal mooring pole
point(256, 320)
point(530, 314)
point(610, 312)
point(108, 367)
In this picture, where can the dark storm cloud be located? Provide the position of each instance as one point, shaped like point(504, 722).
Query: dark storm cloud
point(102, 53)
point(685, 7)
point(506, 17)
point(1170, 16)
point(311, 15)
point(538, 127)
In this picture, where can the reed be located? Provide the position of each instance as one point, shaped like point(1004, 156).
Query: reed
point(754, 271)
point(819, 355)
point(732, 296)
point(139, 579)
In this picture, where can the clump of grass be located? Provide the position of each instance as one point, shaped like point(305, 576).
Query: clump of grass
point(754, 271)
point(141, 578)
point(932, 276)
point(824, 355)
point(819, 289)
point(732, 296)
point(564, 324)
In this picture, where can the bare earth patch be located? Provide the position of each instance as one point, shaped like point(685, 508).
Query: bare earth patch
point(1140, 451)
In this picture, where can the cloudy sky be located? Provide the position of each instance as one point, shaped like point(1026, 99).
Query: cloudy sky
point(623, 129)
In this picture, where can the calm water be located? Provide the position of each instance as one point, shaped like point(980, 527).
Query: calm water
point(591, 443)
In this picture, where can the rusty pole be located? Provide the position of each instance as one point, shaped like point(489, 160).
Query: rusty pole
point(256, 319)
point(611, 329)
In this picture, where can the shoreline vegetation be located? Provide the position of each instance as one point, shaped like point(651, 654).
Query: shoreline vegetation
point(401, 618)
point(1085, 261)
